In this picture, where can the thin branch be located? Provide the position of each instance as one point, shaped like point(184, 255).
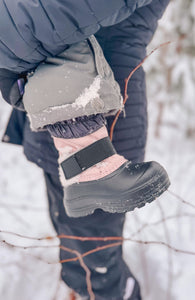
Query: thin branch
point(146, 225)
point(127, 82)
point(28, 247)
point(181, 199)
point(28, 237)
point(107, 239)
point(28, 254)
point(143, 259)
point(169, 254)
point(22, 207)
point(84, 266)
point(97, 249)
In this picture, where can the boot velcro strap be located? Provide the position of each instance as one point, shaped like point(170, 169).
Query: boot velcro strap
point(87, 157)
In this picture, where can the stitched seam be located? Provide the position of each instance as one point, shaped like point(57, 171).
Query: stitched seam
point(15, 26)
point(131, 149)
point(88, 26)
point(50, 20)
point(92, 12)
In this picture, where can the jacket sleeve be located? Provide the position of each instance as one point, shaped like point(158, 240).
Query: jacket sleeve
point(124, 46)
point(130, 38)
point(31, 31)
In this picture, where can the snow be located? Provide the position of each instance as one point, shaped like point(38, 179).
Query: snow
point(129, 288)
point(162, 273)
point(87, 96)
point(89, 93)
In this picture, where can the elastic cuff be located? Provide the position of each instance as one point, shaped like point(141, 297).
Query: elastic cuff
point(78, 127)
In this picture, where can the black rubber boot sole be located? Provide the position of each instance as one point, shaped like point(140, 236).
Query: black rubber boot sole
point(129, 187)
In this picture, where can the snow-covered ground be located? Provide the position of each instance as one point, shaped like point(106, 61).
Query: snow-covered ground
point(163, 273)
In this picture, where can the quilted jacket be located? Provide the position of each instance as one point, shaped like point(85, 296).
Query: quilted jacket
point(123, 28)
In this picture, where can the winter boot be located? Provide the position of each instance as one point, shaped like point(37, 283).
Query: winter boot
point(96, 177)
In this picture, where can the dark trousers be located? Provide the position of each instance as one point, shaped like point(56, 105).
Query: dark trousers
point(109, 273)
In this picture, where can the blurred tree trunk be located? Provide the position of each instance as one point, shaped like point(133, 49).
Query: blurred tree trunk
point(171, 70)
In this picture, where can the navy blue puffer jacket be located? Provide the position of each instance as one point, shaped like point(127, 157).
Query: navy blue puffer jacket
point(31, 30)
point(33, 36)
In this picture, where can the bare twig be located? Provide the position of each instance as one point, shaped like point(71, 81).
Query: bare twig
point(106, 239)
point(169, 254)
point(146, 225)
point(97, 249)
point(29, 237)
point(143, 259)
point(84, 266)
point(22, 207)
point(181, 199)
point(127, 82)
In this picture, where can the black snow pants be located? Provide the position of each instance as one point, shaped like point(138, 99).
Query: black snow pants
point(109, 273)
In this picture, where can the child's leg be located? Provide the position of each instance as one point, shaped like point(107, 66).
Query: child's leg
point(110, 276)
point(80, 83)
point(96, 177)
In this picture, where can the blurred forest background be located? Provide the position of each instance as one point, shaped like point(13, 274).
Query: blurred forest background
point(164, 274)
point(172, 68)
